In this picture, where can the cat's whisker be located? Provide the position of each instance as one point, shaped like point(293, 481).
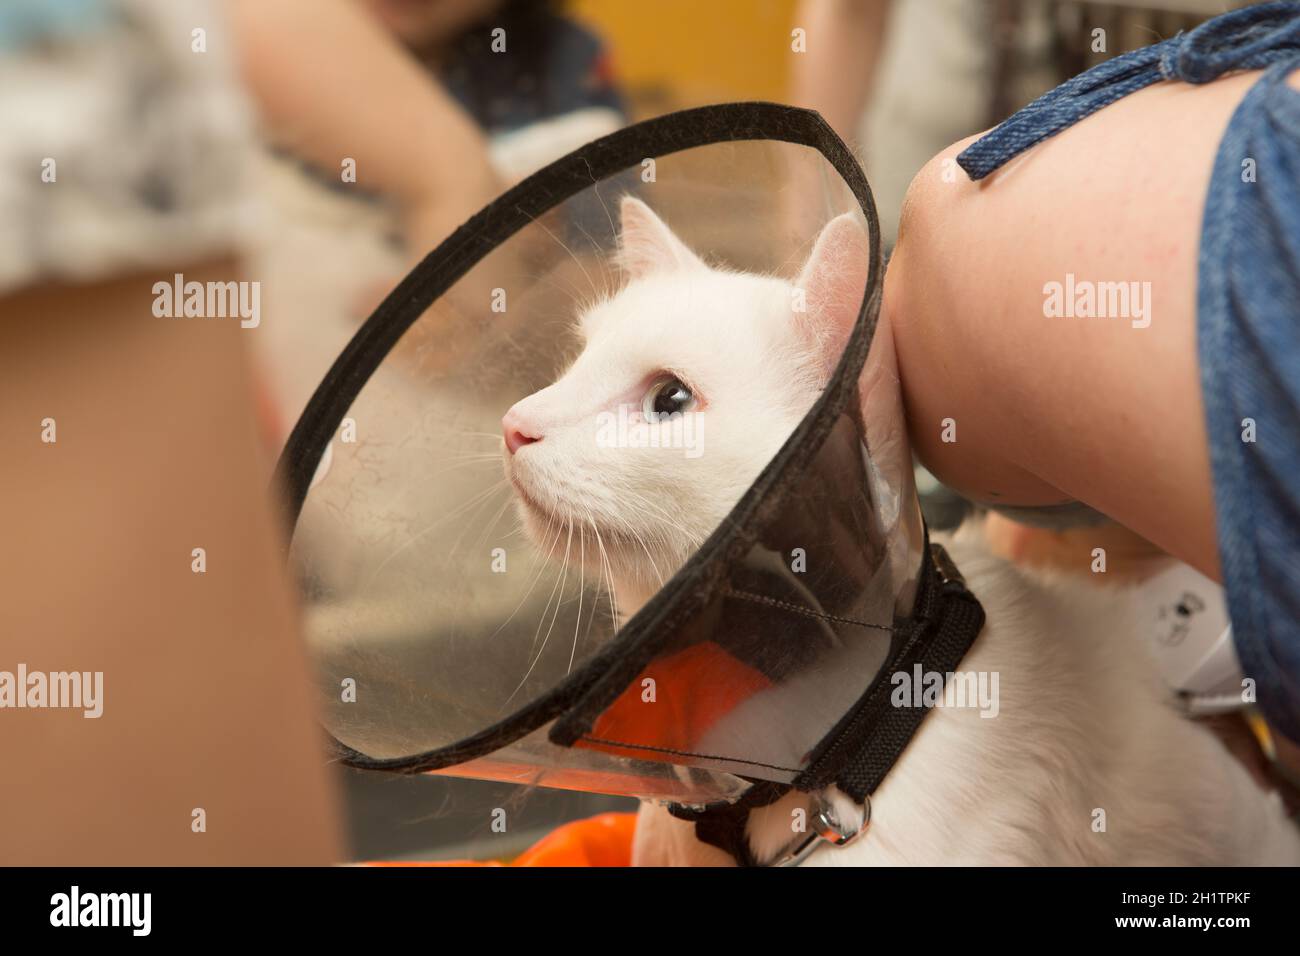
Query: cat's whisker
point(541, 569)
point(494, 436)
point(607, 570)
point(451, 515)
point(613, 229)
point(582, 573)
point(541, 618)
point(483, 499)
point(578, 302)
point(487, 530)
point(571, 253)
point(564, 574)
point(460, 465)
point(494, 455)
point(601, 260)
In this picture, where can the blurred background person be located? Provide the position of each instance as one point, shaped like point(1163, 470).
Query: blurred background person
point(338, 93)
point(387, 125)
point(901, 79)
point(535, 79)
point(139, 540)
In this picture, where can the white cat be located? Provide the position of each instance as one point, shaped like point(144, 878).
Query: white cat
point(1085, 762)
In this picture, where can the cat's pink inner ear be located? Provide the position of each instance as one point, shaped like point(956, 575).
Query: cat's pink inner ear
point(829, 290)
point(647, 245)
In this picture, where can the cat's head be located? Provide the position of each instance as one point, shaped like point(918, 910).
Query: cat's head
point(690, 379)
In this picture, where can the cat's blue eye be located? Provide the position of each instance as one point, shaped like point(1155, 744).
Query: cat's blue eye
point(667, 396)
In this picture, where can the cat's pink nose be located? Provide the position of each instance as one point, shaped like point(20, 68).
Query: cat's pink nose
point(518, 432)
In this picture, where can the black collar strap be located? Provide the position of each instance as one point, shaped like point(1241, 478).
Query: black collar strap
point(867, 743)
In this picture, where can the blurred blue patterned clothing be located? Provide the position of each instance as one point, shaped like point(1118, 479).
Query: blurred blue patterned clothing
point(121, 146)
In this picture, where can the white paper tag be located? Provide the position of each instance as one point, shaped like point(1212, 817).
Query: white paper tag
point(1191, 639)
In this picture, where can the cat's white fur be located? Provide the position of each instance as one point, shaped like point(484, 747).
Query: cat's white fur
point(1083, 726)
point(727, 334)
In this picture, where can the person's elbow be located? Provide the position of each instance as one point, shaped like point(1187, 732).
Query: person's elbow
point(936, 234)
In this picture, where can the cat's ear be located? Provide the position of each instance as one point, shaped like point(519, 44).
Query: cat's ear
point(829, 289)
point(647, 245)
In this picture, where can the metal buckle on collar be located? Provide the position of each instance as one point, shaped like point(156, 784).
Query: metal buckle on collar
point(825, 827)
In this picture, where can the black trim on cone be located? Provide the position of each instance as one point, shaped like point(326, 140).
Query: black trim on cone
point(583, 695)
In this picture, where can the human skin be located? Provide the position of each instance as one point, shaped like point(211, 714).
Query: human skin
point(427, 25)
point(1055, 409)
point(837, 81)
point(331, 82)
point(207, 694)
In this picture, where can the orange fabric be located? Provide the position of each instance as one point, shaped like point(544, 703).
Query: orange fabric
point(604, 840)
point(694, 689)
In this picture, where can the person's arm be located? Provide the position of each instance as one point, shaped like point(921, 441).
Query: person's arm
point(332, 84)
point(835, 75)
point(207, 707)
point(1054, 408)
